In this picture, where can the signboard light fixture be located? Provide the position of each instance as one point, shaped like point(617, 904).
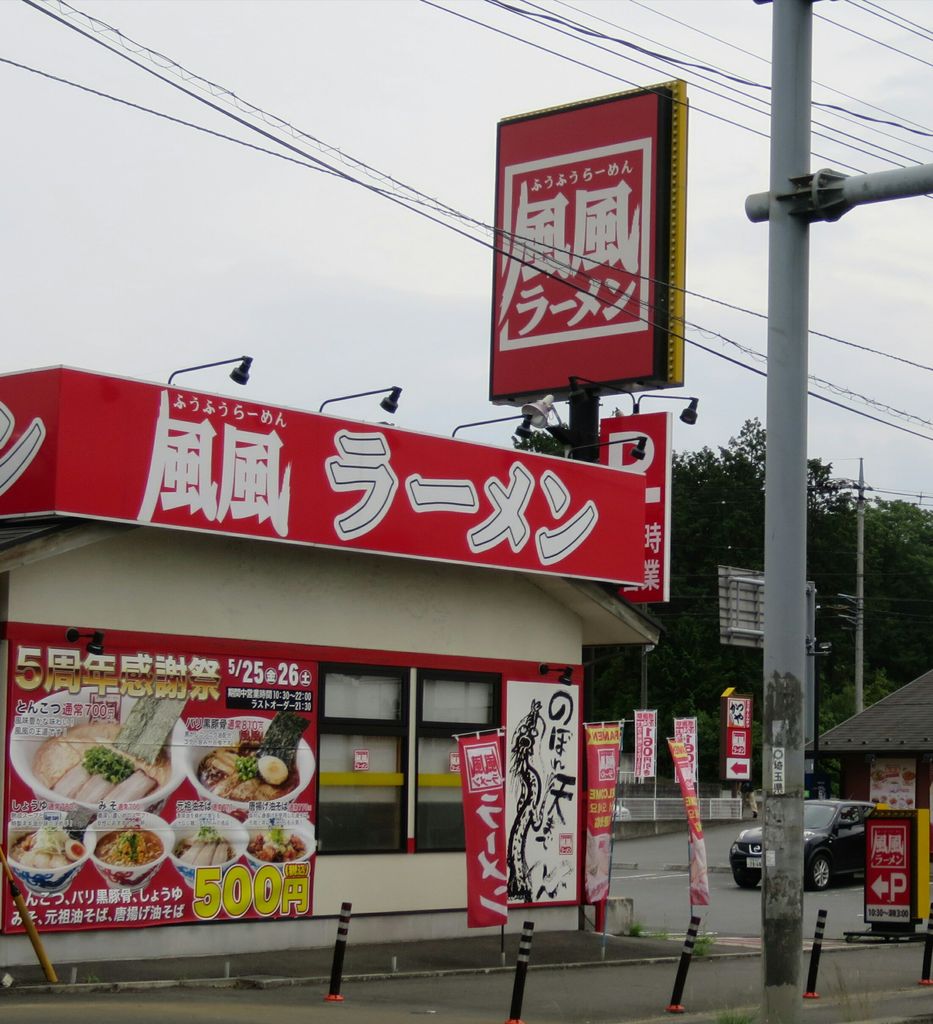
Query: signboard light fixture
point(95, 639)
point(566, 673)
point(239, 374)
point(688, 416)
point(540, 411)
point(498, 419)
point(389, 403)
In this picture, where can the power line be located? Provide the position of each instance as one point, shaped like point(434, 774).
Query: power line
point(407, 205)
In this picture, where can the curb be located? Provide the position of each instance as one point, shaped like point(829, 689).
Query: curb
point(271, 981)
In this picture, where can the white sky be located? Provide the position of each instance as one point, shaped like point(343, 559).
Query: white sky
point(135, 246)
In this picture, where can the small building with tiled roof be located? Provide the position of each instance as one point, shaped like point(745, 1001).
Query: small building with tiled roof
point(885, 752)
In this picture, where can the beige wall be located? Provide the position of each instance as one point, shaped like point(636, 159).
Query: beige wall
point(164, 581)
point(169, 581)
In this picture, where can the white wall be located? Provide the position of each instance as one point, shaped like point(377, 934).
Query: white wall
point(169, 581)
point(165, 581)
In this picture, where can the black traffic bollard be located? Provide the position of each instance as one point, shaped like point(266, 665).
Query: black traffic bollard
point(685, 957)
point(340, 947)
point(927, 950)
point(521, 969)
point(815, 951)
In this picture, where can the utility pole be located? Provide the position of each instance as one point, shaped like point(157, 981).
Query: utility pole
point(795, 198)
point(860, 593)
point(785, 640)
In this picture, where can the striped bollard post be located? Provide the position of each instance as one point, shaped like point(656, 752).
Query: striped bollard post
point(521, 969)
point(340, 947)
point(817, 948)
point(928, 950)
point(685, 957)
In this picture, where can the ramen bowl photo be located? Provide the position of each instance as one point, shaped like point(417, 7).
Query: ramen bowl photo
point(99, 760)
point(279, 844)
point(266, 759)
point(221, 843)
point(127, 854)
point(46, 859)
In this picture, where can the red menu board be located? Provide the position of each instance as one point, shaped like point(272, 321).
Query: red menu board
point(157, 783)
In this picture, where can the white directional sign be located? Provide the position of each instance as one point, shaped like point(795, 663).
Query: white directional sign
point(738, 768)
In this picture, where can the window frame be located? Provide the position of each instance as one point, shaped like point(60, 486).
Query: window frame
point(426, 729)
point(343, 726)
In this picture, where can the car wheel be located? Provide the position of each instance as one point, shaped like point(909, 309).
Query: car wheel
point(819, 872)
point(746, 879)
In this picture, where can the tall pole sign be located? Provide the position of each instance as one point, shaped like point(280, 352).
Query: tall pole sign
point(590, 241)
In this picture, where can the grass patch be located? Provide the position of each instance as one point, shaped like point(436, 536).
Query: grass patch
point(735, 1017)
point(702, 944)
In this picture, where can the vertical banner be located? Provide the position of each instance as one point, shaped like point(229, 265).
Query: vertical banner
point(541, 802)
point(699, 875)
point(483, 783)
point(685, 730)
point(602, 771)
point(646, 744)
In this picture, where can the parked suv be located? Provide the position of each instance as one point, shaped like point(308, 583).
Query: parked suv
point(833, 838)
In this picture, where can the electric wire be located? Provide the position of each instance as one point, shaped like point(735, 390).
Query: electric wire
point(873, 39)
point(574, 29)
point(414, 194)
point(578, 28)
point(318, 163)
point(893, 18)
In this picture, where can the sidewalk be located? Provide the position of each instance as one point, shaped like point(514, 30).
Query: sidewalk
point(624, 979)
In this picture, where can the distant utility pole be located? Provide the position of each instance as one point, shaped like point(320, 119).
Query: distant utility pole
point(795, 198)
point(860, 593)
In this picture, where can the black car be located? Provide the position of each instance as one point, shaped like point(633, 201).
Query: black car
point(834, 844)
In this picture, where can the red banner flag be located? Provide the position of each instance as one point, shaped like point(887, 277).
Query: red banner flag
point(483, 783)
point(602, 766)
point(699, 874)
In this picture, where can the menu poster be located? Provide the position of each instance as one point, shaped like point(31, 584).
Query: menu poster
point(157, 783)
point(894, 782)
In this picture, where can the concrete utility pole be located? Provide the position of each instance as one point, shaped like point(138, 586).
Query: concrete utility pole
point(795, 198)
point(785, 647)
point(860, 593)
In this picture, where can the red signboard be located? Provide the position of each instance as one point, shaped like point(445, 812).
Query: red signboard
point(163, 782)
point(888, 870)
point(81, 444)
point(483, 782)
point(590, 236)
point(619, 435)
point(735, 738)
point(603, 741)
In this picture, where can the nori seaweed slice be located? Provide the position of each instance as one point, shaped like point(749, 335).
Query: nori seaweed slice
point(147, 726)
point(282, 736)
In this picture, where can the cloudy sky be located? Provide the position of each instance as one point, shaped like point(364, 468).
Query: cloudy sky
point(136, 245)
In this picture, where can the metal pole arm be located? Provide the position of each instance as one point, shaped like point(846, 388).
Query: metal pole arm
point(827, 194)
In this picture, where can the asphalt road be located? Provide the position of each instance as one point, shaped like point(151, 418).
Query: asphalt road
point(642, 870)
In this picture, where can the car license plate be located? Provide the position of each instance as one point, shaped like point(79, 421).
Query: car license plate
point(753, 862)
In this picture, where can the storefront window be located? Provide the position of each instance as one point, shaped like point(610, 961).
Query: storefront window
point(362, 758)
point(448, 705)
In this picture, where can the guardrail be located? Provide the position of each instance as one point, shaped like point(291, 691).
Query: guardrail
point(664, 808)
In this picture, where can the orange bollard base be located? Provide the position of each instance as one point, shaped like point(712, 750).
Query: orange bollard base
point(333, 999)
point(675, 1008)
point(811, 995)
point(514, 1020)
point(925, 981)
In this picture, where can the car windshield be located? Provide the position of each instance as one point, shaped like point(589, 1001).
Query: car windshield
point(817, 815)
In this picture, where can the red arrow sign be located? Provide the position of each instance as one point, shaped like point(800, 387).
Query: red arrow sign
point(738, 767)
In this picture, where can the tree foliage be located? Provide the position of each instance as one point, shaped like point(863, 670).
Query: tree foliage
point(717, 519)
